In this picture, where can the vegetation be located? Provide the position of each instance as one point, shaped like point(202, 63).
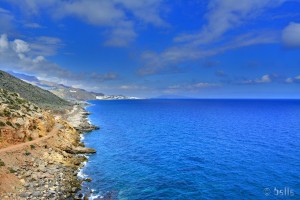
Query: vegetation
point(7, 113)
point(2, 123)
point(34, 94)
point(11, 170)
point(17, 125)
point(32, 146)
point(9, 123)
point(2, 163)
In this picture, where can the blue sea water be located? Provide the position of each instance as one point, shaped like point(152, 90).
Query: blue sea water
point(195, 149)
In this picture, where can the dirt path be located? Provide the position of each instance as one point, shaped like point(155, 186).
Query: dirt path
point(53, 132)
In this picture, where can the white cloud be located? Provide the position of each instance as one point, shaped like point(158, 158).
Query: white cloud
point(46, 46)
point(38, 59)
point(223, 16)
point(33, 25)
point(20, 46)
point(122, 35)
point(194, 87)
point(3, 42)
point(114, 15)
point(17, 55)
point(293, 80)
point(264, 79)
point(146, 10)
point(291, 35)
point(170, 58)
point(6, 21)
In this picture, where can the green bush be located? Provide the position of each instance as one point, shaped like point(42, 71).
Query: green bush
point(27, 153)
point(11, 170)
point(32, 146)
point(6, 113)
point(2, 123)
point(18, 125)
point(2, 163)
point(30, 138)
point(9, 123)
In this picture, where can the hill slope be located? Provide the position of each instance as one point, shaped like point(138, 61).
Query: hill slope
point(21, 120)
point(34, 94)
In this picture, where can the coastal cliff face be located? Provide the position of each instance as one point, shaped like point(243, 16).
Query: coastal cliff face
point(40, 154)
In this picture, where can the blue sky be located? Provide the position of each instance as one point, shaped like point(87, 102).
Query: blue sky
point(148, 48)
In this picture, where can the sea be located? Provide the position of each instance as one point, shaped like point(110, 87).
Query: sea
point(194, 149)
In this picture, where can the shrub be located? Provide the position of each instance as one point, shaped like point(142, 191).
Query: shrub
point(2, 123)
point(30, 138)
point(18, 125)
point(27, 153)
point(11, 170)
point(7, 113)
point(9, 123)
point(2, 163)
point(32, 146)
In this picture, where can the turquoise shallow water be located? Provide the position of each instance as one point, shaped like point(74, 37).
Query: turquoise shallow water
point(195, 149)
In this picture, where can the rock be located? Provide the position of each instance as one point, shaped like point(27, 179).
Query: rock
point(81, 150)
point(24, 195)
point(74, 189)
point(36, 194)
point(88, 180)
point(51, 192)
point(42, 169)
point(26, 185)
point(22, 181)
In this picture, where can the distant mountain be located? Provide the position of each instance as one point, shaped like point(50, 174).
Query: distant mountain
point(63, 91)
point(24, 76)
point(34, 94)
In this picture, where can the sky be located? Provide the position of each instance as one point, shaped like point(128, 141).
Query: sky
point(151, 48)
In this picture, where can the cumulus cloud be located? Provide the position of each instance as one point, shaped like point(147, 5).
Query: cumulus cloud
point(17, 55)
point(3, 42)
point(293, 80)
point(264, 79)
point(20, 46)
point(291, 35)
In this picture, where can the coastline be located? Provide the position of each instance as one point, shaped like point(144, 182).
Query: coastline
point(49, 169)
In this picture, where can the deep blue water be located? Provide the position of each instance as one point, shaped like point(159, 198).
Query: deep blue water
point(195, 149)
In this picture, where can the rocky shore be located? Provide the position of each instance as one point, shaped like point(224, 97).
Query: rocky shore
point(48, 169)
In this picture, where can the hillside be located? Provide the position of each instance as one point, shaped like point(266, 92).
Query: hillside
point(34, 94)
point(21, 120)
